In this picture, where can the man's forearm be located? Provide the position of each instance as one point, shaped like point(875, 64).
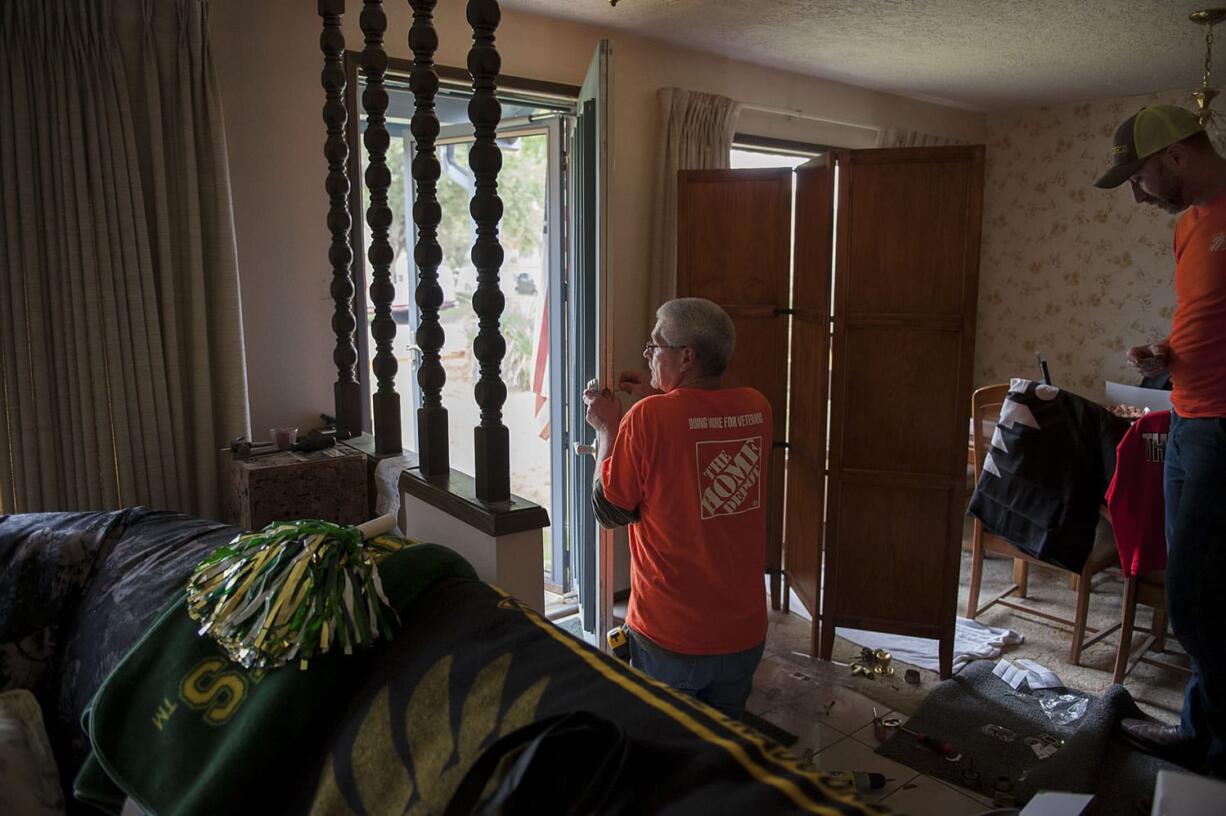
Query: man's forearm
point(604, 447)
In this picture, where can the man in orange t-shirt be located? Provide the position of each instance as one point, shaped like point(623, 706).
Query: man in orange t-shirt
point(686, 469)
point(1167, 157)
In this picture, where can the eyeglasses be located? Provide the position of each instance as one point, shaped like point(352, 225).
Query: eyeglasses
point(650, 348)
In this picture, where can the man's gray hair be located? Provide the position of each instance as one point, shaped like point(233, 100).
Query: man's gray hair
point(704, 327)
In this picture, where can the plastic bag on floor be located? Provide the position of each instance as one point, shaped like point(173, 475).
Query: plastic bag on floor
point(1062, 706)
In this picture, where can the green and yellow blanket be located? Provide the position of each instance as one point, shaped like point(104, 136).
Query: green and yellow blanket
point(182, 730)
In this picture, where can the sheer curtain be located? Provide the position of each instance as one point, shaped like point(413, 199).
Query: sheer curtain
point(121, 346)
point(696, 132)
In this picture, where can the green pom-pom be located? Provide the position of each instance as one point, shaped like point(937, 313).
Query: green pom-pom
point(292, 591)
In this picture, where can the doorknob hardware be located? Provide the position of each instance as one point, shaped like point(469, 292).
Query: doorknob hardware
point(581, 449)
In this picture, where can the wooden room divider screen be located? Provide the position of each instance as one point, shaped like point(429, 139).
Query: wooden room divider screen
point(880, 368)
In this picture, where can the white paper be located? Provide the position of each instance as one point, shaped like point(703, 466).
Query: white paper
point(1155, 399)
point(1011, 674)
point(1050, 803)
point(1039, 676)
point(1035, 675)
point(1186, 794)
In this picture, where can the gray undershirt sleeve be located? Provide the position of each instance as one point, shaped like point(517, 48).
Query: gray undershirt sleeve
point(608, 514)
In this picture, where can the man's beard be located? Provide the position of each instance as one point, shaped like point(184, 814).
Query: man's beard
point(1173, 205)
point(1171, 198)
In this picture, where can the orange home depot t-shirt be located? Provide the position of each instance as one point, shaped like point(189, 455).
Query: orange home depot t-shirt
point(1198, 332)
point(693, 462)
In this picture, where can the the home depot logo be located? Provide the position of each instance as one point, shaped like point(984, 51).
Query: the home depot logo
point(729, 476)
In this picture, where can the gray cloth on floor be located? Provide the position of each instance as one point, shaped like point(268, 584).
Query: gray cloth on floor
point(1093, 758)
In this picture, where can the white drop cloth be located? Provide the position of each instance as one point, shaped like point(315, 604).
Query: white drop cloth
point(972, 641)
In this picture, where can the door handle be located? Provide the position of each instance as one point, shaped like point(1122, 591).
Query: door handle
point(581, 449)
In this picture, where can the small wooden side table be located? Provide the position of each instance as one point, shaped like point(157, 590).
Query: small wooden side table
point(328, 484)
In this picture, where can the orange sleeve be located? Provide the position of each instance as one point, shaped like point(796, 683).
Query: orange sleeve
point(622, 473)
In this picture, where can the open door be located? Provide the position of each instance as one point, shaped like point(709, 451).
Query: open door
point(906, 283)
point(733, 247)
point(810, 353)
point(588, 333)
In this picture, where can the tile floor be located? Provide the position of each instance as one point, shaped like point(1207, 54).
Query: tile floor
point(835, 730)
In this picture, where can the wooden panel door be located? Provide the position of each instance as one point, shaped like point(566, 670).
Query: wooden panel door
point(806, 455)
point(906, 282)
point(733, 246)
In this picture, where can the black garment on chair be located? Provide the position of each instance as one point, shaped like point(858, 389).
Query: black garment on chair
point(1051, 459)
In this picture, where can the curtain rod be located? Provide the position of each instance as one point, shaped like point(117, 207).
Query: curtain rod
point(799, 114)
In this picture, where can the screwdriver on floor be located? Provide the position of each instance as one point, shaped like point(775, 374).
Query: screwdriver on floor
point(942, 747)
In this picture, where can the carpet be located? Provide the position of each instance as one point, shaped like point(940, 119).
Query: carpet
point(1091, 760)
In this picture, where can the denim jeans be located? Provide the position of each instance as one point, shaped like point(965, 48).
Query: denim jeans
point(721, 681)
point(1195, 493)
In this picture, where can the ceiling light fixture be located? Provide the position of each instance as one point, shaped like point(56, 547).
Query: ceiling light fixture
point(1205, 95)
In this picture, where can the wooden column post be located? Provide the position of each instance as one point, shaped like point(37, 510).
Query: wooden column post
point(347, 391)
point(493, 461)
point(379, 218)
point(432, 436)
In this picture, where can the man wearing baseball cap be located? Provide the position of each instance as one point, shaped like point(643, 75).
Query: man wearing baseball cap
point(1163, 152)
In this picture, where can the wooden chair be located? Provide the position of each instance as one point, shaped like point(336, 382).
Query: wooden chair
point(1151, 591)
point(985, 408)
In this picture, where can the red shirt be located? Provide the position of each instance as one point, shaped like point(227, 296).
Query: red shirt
point(1135, 497)
point(693, 462)
point(1198, 332)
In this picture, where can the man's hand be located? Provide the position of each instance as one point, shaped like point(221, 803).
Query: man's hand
point(1151, 360)
point(603, 410)
point(636, 383)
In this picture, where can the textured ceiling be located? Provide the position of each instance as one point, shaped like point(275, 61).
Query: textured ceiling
point(976, 54)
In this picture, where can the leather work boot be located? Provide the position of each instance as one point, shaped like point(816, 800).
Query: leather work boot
point(1153, 735)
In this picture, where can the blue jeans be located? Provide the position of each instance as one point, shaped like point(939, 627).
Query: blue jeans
point(721, 681)
point(1195, 493)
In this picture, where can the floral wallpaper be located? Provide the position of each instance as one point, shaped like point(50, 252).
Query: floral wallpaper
point(1069, 270)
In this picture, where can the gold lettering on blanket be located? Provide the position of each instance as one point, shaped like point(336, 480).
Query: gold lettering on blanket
point(165, 709)
point(215, 692)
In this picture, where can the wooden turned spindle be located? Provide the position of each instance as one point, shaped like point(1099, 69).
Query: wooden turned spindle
point(493, 463)
point(423, 80)
point(379, 219)
point(347, 391)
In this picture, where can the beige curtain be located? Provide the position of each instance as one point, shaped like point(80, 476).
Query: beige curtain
point(696, 132)
point(901, 137)
point(121, 346)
